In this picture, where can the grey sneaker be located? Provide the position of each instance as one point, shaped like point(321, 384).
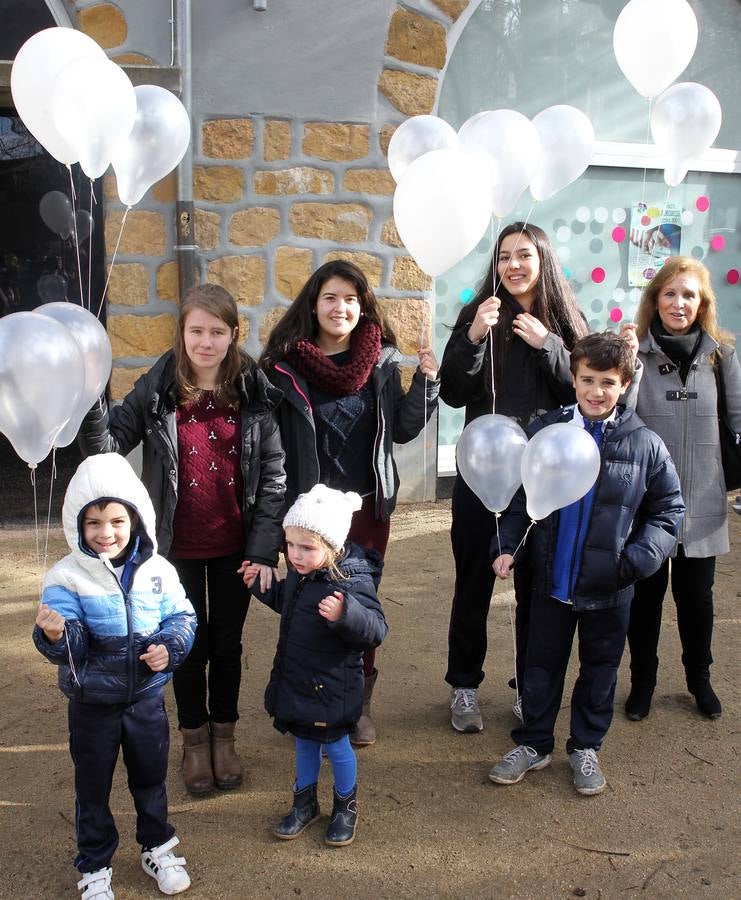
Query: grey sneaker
point(517, 763)
point(517, 709)
point(588, 777)
point(465, 712)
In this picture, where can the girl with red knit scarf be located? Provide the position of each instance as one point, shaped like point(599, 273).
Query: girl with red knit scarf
point(335, 358)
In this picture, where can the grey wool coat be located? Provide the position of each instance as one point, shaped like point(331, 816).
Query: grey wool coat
point(686, 418)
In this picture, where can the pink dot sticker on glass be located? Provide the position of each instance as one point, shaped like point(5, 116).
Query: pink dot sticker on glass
point(616, 314)
point(645, 220)
point(598, 275)
point(732, 276)
point(702, 204)
point(717, 242)
point(618, 234)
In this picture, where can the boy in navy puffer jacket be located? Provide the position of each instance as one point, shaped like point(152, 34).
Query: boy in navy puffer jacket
point(115, 619)
point(590, 555)
point(329, 614)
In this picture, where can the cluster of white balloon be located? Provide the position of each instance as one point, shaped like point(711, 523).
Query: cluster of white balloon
point(44, 400)
point(654, 41)
point(81, 107)
point(449, 184)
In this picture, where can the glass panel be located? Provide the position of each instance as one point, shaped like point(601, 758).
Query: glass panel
point(529, 54)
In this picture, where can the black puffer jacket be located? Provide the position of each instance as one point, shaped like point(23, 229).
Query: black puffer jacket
point(316, 685)
point(147, 416)
point(400, 418)
point(634, 523)
point(535, 380)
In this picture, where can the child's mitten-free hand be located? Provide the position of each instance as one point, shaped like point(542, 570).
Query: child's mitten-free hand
point(331, 607)
point(156, 657)
point(51, 623)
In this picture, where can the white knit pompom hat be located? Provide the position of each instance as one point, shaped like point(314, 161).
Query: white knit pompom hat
point(325, 511)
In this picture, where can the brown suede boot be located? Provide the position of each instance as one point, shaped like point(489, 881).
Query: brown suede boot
point(197, 772)
point(227, 767)
point(365, 731)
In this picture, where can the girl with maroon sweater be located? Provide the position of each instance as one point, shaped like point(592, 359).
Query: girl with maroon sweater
point(213, 466)
point(334, 357)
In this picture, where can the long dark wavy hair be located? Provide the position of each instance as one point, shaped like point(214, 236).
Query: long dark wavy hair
point(299, 322)
point(216, 300)
point(554, 303)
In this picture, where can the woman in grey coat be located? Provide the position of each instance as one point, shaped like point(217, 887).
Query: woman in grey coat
point(683, 350)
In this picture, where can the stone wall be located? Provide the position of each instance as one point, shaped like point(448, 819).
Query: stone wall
point(274, 199)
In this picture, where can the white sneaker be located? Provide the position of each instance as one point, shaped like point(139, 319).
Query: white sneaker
point(166, 868)
point(96, 884)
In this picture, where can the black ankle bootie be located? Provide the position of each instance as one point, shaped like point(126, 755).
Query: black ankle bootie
point(304, 811)
point(706, 699)
point(638, 704)
point(341, 828)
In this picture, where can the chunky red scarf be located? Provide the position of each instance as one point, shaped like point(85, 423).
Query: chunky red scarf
point(319, 370)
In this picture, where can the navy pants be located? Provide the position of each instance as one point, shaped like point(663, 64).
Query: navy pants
point(207, 683)
point(471, 535)
point(602, 634)
point(96, 732)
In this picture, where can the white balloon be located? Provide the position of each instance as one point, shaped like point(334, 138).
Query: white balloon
point(654, 40)
point(567, 141)
point(95, 348)
point(93, 105)
point(35, 69)
point(488, 456)
point(442, 207)
point(417, 136)
point(685, 120)
point(559, 466)
point(511, 142)
point(41, 379)
point(155, 145)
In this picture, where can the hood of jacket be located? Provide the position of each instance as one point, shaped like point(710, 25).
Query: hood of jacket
point(106, 476)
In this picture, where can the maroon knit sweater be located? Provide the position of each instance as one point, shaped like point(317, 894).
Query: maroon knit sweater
point(208, 514)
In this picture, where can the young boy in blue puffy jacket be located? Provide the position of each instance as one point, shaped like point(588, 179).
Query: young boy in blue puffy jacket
point(115, 619)
point(590, 555)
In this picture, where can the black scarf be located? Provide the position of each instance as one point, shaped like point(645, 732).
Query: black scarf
point(680, 348)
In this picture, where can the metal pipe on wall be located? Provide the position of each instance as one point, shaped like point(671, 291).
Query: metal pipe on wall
point(185, 245)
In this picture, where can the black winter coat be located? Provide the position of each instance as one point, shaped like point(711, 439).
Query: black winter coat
point(634, 522)
point(400, 418)
point(316, 684)
point(147, 416)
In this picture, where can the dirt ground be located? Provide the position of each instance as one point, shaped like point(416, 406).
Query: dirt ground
point(431, 824)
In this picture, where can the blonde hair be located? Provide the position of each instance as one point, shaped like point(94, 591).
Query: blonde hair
point(331, 556)
point(707, 314)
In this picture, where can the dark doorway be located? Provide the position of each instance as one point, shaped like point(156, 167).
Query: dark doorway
point(42, 207)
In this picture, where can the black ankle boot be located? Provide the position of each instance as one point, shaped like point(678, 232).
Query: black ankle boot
point(341, 828)
point(304, 811)
point(638, 704)
point(706, 698)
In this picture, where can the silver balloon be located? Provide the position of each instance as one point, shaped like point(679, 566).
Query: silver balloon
point(41, 379)
point(95, 347)
point(417, 136)
point(559, 466)
point(488, 455)
point(52, 287)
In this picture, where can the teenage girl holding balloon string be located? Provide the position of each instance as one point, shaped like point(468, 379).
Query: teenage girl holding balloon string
point(519, 336)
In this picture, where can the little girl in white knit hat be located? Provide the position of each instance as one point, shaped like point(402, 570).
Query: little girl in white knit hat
point(329, 615)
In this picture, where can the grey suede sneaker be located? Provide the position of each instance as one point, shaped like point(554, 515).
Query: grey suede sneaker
point(517, 763)
point(465, 713)
point(588, 777)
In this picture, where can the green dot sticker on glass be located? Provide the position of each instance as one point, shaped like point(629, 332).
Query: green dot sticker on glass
point(466, 295)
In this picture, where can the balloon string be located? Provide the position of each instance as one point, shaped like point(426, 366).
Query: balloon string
point(77, 242)
point(423, 342)
point(113, 259)
point(524, 538)
point(90, 251)
point(648, 130)
point(514, 646)
point(658, 227)
point(48, 511)
point(36, 518)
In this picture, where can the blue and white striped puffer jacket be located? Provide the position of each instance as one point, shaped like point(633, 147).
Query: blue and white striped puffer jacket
point(109, 622)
